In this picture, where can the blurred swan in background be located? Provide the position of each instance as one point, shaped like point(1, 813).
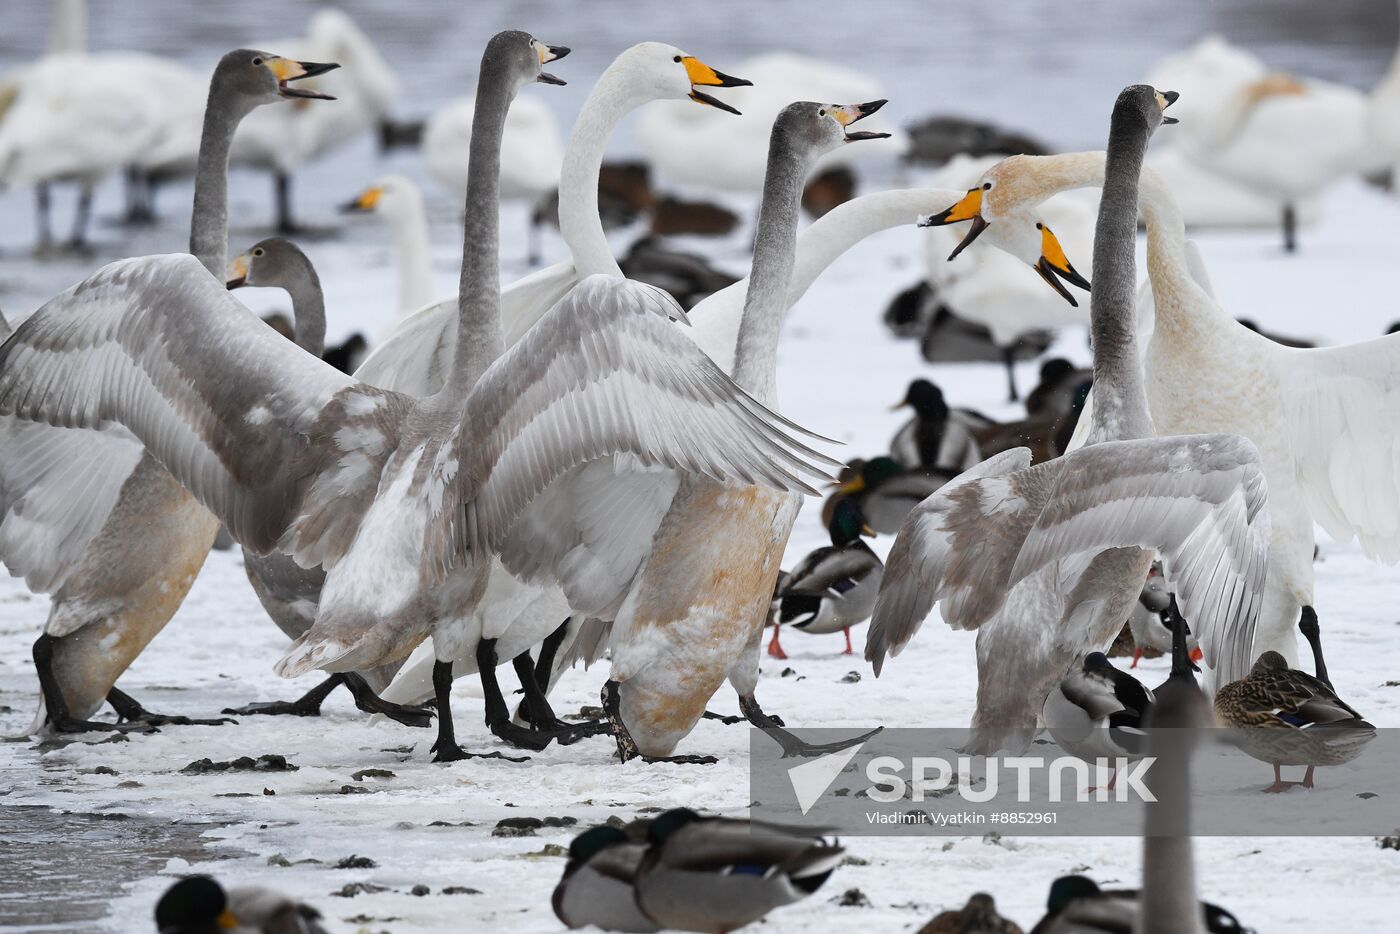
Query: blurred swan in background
point(365, 89)
point(399, 201)
point(700, 148)
point(532, 155)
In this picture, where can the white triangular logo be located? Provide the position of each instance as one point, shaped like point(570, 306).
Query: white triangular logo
point(810, 780)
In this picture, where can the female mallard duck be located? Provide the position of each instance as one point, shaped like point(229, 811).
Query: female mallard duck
point(596, 888)
point(978, 916)
point(885, 492)
point(200, 905)
point(834, 587)
point(937, 438)
point(1284, 716)
point(1097, 712)
point(712, 874)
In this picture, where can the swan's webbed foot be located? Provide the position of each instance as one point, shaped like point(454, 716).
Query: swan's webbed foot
point(129, 710)
point(308, 705)
point(370, 702)
point(727, 721)
point(793, 745)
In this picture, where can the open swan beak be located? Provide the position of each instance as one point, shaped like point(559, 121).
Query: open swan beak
point(1053, 262)
point(847, 114)
point(967, 209)
point(1166, 99)
point(703, 75)
point(287, 69)
point(547, 54)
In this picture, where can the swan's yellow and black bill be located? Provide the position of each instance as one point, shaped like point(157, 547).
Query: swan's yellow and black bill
point(237, 275)
point(702, 75)
point(968, 208)
point(847, 114)
point(1053, 265)
point(286, 69)
point(364, 201)
point(547, 54)
point(1165, 99)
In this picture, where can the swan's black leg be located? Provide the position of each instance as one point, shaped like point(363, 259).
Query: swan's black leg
point(1290, 228)
point(131, 711)
point(81, 216)
point(626, 746)
point(56, 713)
point(370, 702)
point(43, 212)
point(282, 188)
point(308, 705)
point(792, 745)
point(541, 715)
point(1008, 356)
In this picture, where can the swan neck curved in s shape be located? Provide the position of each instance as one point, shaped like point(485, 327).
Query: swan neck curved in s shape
point(579, 222)
point(774, 256)
point(1120, 403)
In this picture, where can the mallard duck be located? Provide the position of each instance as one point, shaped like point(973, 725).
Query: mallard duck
point(937, 438)
point(200, 905)
point(1284, 716)
point(1077, 905)
point(1151, 622)
point(597, 885)
point(834, 587)
point(885, 491)
point(978, 916)
point(713, 874)
point(1097, 712)
point(1058, 381)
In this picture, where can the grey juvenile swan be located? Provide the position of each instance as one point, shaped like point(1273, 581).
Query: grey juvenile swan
point(1083, 526)
point(402, 499)
point(89, 518)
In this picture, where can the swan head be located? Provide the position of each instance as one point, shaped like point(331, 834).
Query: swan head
point(252, 77)
point(664, 72)
point(270, 263)
point(813, 129)
point(391, 195)
point(522, 57)
point(1006, 195)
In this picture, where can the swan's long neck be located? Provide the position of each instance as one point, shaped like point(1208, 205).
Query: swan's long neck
point(209, 220)
point(579, 222)
point(410, 223)
point(303, 286)
point(716, 319)
point(479, 338)
point(68, 32)
point(774, 256)
point(1120, 403)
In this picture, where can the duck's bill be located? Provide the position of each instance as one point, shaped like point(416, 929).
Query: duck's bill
point(1166, 99)
point(867, 531)
point(700, 97)
point(847, 114)
point(853, 485)
point(1053, 255)
point(363, 202)
point(287, 69)
point(237, 273)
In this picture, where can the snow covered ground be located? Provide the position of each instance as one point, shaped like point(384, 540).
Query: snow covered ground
point(432, 824)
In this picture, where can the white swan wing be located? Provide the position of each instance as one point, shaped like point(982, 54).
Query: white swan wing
point(1342, 406)
point(1197, 499)
point(605, 373)
point(940, 550)
point(417, 356)
point(157, 346)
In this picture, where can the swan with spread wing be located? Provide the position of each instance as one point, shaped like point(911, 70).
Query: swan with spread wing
point(400, 498)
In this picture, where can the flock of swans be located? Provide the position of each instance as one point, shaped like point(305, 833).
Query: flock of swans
point(572, 467)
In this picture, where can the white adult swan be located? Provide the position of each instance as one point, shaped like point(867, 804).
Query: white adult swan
point(402, 499)
point(399, 201)
point(1089, 520)
point(1322, 419)
point(87, 517)
point(416, 357)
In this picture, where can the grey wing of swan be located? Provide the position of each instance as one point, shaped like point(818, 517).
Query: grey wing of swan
point(1199, 500)
point(939, 550)
point(604, 372)
point(156, 347)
